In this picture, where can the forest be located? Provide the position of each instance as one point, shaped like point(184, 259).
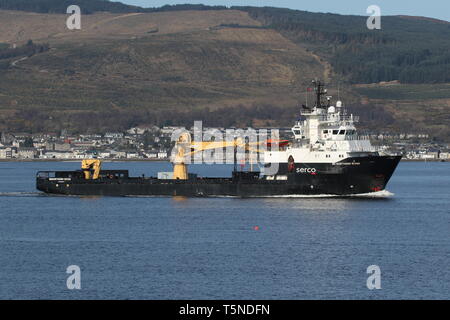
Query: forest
point(91, 6)
point(408, 49)
point(256, 115)
point(412, 50)
point(26, 50)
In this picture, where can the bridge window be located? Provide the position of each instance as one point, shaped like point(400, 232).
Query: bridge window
point(342, 132)
point(335, 131)
point(325, 131)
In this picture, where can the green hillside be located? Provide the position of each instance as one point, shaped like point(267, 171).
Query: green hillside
point(240, 66)
point(96, 83)
point(92, 6)
point(416, 92)
point(409, 49)
point(60, 6)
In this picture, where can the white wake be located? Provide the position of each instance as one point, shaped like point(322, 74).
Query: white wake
point(376, 194)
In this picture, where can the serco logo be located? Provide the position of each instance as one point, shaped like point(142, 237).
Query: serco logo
point(306, 170)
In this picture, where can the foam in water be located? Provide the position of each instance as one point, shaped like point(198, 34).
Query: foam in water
point(377, 194)
point(20, 194)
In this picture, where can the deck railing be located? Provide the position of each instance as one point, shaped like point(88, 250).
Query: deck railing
point(341, 118)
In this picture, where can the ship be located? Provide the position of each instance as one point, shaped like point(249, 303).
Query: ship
point(325, 156)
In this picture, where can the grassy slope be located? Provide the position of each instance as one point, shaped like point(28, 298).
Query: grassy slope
point(344, 42)
point(423, 107)
point(18, 26)
point(188, 64)
point(410, 49)
point(117, 71)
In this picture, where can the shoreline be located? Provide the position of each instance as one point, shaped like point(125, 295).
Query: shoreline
point(79, 160)
point(167, 160)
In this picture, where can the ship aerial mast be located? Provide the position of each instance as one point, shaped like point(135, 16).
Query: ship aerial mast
point(320, 90)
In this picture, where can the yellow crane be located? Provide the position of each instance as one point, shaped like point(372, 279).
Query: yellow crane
point(184, 147)
point(184, 143)
point(91, 168)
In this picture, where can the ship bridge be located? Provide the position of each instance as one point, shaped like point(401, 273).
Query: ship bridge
point(326, 134)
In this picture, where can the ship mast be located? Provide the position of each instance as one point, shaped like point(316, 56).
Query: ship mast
point(320, 90)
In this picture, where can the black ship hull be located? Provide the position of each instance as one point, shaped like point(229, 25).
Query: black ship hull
point(351, 176)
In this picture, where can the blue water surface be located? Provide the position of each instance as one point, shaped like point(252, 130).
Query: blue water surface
point(225, 248)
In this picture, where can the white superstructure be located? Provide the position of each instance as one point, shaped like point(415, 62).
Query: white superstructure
point(326, 135)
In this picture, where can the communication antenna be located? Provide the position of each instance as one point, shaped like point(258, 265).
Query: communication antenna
point(306, 96)
point(339, 97)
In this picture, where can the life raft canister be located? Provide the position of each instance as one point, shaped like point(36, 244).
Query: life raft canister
point(291, 164)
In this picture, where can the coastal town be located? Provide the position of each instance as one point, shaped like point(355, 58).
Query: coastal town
point(154, 143)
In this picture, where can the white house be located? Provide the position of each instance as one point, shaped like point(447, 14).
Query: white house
point(8, 153)
point(26, 153)
point(162, 154)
